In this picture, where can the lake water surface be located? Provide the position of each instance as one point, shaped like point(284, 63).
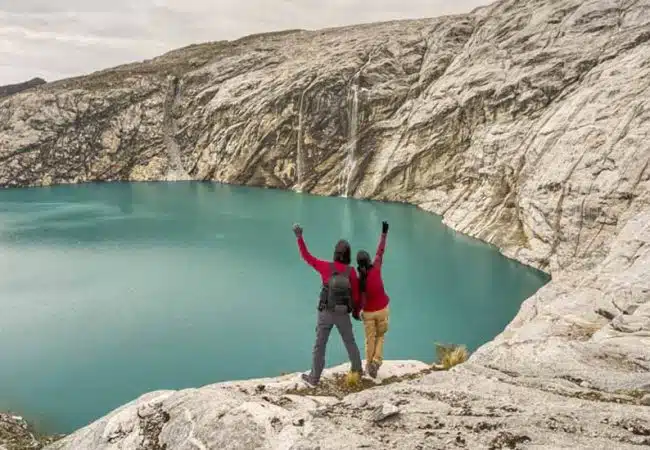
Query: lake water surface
point(108, 291)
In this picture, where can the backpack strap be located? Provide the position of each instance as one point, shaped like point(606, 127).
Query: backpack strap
point(348, 270)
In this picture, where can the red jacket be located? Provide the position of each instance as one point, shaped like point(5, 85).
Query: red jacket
point(323, 268)
point(375, 298)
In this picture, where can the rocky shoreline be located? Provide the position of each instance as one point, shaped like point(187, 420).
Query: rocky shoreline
point(17, 434)
point(524, 124)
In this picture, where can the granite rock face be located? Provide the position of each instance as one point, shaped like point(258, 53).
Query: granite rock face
point(525, 123)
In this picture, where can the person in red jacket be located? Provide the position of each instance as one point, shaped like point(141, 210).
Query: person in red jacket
point(339, 297)
point(374, 303)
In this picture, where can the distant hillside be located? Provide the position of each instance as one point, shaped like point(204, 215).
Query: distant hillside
point(11, 89)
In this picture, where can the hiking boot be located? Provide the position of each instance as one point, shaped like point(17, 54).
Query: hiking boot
point(372, 369)
point(377, 367)
point(309, 380)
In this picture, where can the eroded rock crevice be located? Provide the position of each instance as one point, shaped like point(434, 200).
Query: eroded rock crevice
point(176, 170)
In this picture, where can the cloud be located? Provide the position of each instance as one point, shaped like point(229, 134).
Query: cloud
point(56, 39)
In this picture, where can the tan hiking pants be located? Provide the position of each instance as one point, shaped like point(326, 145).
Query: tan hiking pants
point(376, 325)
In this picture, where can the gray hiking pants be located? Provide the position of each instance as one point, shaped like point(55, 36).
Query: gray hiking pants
point(326, 321)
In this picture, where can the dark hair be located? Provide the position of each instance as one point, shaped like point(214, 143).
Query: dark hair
point(342, 252)
point(363, 266)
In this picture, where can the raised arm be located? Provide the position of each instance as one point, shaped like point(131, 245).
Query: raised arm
point(316, 263)
point(381, 246)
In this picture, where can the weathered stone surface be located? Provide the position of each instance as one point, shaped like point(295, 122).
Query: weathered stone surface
point(384, 412)
point(469, 407)
point(646, 400)
point(525, 123)
point(232, 415)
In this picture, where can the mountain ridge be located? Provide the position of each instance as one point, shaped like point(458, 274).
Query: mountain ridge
point(12, 89)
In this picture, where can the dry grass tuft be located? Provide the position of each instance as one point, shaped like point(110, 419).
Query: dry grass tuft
point(450, 355)
point(352, 379)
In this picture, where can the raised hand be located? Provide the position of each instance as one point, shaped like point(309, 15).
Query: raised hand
point(384, 227)
point(297, 230)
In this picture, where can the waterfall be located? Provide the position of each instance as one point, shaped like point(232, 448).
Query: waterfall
point(352, 144)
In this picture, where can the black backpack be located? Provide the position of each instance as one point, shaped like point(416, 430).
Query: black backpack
point(337, 291)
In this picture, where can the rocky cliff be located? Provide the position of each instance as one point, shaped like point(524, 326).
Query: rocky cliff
point(525, 123)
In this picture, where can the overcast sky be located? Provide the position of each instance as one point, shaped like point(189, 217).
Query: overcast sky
point(59, 38)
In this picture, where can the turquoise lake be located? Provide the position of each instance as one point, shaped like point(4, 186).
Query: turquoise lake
point(108, 291)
